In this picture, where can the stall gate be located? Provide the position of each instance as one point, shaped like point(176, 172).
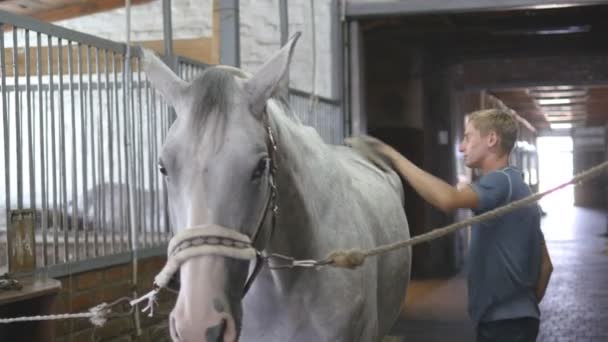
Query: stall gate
point(81, 132)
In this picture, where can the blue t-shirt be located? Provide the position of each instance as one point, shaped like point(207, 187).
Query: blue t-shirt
point(505, 253)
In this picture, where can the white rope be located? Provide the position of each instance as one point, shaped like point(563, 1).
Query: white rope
point(97, 315)
point(355, 257)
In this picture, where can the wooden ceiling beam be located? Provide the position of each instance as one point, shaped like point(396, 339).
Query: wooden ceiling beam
point(55, 10)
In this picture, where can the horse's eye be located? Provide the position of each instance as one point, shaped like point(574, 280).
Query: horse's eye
point(259, 170)
point(162, 169)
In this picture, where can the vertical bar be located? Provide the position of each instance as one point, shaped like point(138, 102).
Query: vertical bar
point(62, 160)
point(125, 116)
point(284, 28)
point(43, 143)
point(83, 141)
point(94, 184)
point(19, 147)
point(357, 105)
point(53, 124)
point(100, 149)
point(165, 129)
point(151, 158)
point(74, 157)
point(155, 188)
point(30, 129)
point(167, 30)
point(140, 157)
point(284, 21)
point(110, 150)
point(229, 31)
point(134, 148)
point(5, 125)
point(118, 151)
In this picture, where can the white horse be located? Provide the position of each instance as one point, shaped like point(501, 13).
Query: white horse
point(224, 177)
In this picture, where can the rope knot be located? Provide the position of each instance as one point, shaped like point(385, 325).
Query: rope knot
point(99, 312)
point(351, 258)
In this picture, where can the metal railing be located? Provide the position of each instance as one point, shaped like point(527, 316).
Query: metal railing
point(80, 143)
point(73, 123)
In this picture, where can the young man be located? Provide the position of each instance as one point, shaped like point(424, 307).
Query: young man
point(509, 266)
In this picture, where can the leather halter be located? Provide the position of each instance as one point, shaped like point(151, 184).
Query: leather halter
point(270, 203)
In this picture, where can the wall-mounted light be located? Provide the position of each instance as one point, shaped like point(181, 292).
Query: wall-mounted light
point(557, 101)
point(561, 125)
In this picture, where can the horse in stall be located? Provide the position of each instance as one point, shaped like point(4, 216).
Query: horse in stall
point(234, 154)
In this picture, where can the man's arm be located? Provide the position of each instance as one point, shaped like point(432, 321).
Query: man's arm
point(546, 268)
point(434, 190)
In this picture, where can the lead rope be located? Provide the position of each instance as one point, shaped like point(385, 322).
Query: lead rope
point(354, 258)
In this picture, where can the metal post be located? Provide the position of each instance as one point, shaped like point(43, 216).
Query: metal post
point(74, 154)
point(5, 124)
point(284, 18)
point(83, 141)
point(43, 143)
point(18, 113)
point(30, 120)
point(357, 93)
point(230, 53)
point(284, 24)
point(62, 161)
point(167, 29)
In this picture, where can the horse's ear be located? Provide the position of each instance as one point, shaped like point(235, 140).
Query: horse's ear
point(163, 79)
point(271, 78)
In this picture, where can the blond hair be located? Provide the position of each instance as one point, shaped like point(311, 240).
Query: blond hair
point(499, 121)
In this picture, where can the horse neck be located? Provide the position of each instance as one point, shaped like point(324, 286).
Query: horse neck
point(302, 183)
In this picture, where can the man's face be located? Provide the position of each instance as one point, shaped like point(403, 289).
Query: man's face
point(474, 146)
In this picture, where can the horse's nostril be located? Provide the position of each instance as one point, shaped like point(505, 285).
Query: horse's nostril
point(216, 333)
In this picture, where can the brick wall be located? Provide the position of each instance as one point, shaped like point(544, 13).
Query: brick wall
point(260, 33)
point(85, 290)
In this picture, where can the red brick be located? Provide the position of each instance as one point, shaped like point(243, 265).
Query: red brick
point(117, 273)
point(113, 292)
point(88, 280)
point(83, 301)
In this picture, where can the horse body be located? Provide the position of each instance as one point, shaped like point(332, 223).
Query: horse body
point(328, 197)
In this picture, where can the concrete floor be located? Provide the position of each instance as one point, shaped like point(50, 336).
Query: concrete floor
point(575, 307)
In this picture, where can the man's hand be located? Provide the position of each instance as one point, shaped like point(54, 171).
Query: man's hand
point(434, 190)
point(373, 149)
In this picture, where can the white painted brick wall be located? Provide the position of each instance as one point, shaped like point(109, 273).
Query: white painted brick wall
point(260, 38)
point(260, 32)
point(190, 18)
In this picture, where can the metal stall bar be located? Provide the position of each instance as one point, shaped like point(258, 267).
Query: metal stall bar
point(95, 218)
point(62, 159)
point(43, 155)
point(151, 158)
point(112, 223)
point(101, 193)
point(141, 158)
point(30, 127)
point(19, 147)
point(83, 140)
point(5, 125)
point(53, 168)
point(75, 226)
point(119, 150)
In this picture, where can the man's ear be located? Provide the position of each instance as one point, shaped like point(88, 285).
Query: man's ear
point(493, 139)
